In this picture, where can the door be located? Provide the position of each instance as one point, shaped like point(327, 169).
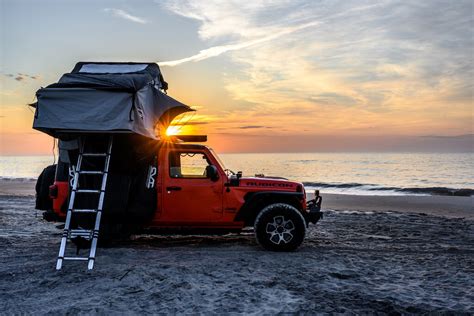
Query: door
point(188, 195)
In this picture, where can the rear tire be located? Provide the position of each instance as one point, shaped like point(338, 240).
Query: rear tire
point(108, 233)
point(45, 179)
point(280, 227)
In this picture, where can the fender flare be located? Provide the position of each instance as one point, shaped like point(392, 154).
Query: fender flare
point(256, 201)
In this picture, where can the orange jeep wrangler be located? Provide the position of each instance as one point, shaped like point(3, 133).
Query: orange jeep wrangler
point(117, 173)
point(178, 187)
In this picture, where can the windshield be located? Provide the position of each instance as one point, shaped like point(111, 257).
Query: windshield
point(221, 163)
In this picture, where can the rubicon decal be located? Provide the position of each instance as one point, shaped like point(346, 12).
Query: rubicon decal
point(269, 184)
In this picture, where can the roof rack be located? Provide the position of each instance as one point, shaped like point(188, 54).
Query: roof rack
point(189, 138)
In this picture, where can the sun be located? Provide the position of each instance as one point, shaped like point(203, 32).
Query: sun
point(173, 130)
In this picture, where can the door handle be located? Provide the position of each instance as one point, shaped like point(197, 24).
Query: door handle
point(173, 188)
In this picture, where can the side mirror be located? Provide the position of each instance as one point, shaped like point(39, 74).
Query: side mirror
point(211, 173)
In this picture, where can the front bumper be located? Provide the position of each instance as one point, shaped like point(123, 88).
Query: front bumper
point(314, 213)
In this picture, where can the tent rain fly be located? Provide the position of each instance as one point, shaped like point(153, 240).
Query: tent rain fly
point(106, 97)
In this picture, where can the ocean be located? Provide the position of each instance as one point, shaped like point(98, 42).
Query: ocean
point(343, 173)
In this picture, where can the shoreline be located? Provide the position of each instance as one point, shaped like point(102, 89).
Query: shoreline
point(438, 205)
point(445, 206)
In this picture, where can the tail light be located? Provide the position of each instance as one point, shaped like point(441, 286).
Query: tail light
point(300, 188)
point(53, 191)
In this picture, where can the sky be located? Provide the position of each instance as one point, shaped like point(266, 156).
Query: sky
point(264, 76)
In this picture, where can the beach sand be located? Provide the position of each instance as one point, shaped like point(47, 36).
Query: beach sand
point(368, 254)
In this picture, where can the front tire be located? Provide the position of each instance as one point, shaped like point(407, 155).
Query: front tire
point(280, 227)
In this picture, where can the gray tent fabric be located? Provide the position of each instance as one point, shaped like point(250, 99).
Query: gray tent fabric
point(106, 97)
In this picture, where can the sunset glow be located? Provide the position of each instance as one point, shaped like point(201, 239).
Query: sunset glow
point(276, 76)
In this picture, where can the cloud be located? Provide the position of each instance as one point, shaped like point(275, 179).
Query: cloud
point(251, 127)
point(230, 18)
point(22, 77)
point(333, 99)
point(393, 66)
point(125, 15)
point(456, 137)
point(219, 50)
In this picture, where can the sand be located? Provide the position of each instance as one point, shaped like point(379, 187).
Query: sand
point(16, 187)
point(365, 256)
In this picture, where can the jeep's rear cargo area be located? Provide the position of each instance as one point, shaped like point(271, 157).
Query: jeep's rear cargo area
point(106, 97)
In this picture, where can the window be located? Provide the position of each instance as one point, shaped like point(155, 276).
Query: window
point(112, 68)
point(188, 165)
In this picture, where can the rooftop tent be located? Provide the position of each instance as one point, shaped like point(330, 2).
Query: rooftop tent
point(106, 97)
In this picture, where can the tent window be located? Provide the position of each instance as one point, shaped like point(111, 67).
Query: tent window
point(112, 68)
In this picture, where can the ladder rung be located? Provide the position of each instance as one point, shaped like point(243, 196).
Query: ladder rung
point(80, 231)
point(94, 154)
point(76, 258)
point(90, 172)
point(79, 234)
point(82, 235)
point(88, 238)
point(84, 210)
point(87, 191)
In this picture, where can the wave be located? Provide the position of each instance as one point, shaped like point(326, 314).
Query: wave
point(376, 188)
point(335, 185)
point(17, 179)
point(439, 191)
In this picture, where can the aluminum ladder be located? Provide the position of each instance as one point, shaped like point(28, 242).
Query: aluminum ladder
point(88, 234)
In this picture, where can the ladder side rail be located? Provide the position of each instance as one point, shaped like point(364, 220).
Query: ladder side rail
point(62, 247)
point(95, 234)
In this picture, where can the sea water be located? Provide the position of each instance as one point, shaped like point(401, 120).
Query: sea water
point(349, 173)
point(366, 173)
